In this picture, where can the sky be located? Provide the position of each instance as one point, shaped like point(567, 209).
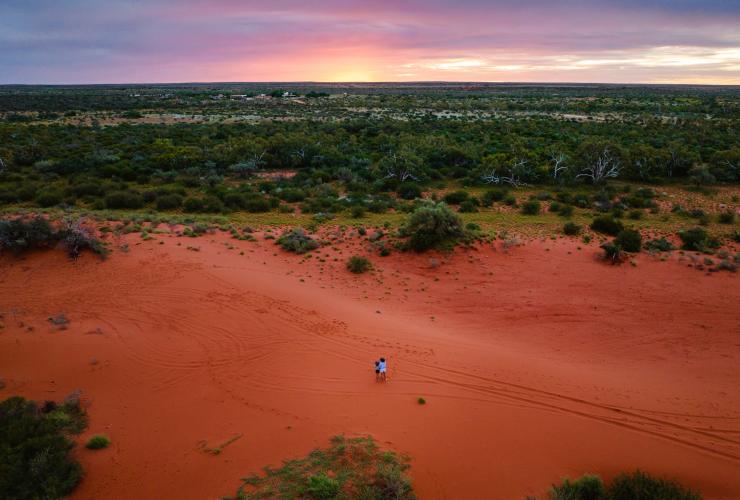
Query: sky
point(146, 41)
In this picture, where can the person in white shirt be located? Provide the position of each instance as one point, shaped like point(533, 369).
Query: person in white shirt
point(382, 368)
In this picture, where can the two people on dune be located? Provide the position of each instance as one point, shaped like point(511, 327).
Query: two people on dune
point(380, 370)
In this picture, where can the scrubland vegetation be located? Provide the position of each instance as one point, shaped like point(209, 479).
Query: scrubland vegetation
point(502, 157)
point(634, 486)
point(349, 468)
point(36, 445)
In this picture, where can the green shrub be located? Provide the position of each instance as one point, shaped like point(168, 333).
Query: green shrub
point(256, 204)
point(565, 211)
point(726, 218)
point(571, 229)
point(493, 195)
point(19, 235)
point(432, 225)
point(193, 205)
point(357, 212)
point(607, 225)
point(49, 198)
point(468, 206)
point(455, 197)
point(321, 486)
point(35, 448)
point(588, 487)
point(296, 240)
point(697, 239)
point(212, 204)
point(635, 486)
point(660, 245)
point(531, 207)
point(76, 237)
point(350, 468)
point(170, 201)
point(292, 195)
point(421, 401)
point(613, 252)
point(358, 265)
point(554, 207)
point(629, 240)
point(409, 190)
point(640, 486)
point(97, 442)
point(124, 200)
point(510, 201)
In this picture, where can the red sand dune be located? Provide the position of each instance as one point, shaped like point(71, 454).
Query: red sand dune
point(536, 363)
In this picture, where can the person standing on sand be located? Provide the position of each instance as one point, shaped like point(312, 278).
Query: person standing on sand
point(382, 368)
point(377, 371)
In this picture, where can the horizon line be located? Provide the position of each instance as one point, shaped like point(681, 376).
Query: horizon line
point(360, 82)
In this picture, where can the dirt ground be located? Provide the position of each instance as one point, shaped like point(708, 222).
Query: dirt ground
point(536, 363)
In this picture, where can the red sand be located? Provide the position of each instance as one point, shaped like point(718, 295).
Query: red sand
point(536, 364)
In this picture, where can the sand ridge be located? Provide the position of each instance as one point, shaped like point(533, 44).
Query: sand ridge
point(536, 362)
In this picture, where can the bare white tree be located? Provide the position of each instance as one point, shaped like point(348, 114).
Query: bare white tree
point(558, 164)
point(605, 166)
point(512, 176)
point(2, 166)
point(399, 168)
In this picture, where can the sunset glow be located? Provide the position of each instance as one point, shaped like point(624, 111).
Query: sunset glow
point(44, 41)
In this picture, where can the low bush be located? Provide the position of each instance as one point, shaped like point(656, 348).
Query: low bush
point(432, 225)
point(409, 190)
point(98, 442)
point(256, 204)
point(571, 228)
point(531, 207)
point(350, 468)
point(35, 448)
point(170, 201)
point(296, 240)
point(635, 486)
point(358, 212)
point(76, 237)
point(193, 204)
point(588, 487)
point(468, 206)
point(697, 239)
point(607, 225)
point(455, 197)
point(565, 211)
point(49, 198)
point(629, 240)
point(124, 200)
point(493, 195)
point(19, 235)
point(639, 485)
point(726, 218)
point(358, 265)
point(613, 253)
point(659, 245)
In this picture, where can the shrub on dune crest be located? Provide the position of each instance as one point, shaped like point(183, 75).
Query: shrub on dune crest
point(635, 486)
point(297, 241)
point(20, 235)
point(432, 225)
point(630, 240)
point(607, 225)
